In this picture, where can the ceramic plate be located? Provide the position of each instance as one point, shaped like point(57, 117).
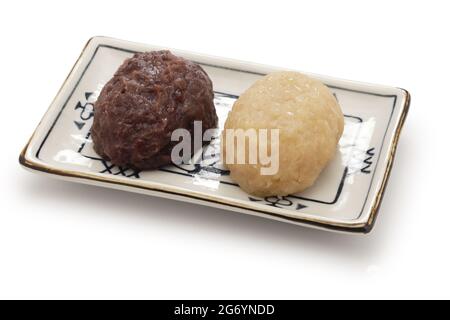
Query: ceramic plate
point(345, 198)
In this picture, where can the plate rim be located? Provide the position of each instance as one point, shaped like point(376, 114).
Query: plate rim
point(358, 226)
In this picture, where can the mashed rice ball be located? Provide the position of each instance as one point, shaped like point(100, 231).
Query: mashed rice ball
point(310, 124)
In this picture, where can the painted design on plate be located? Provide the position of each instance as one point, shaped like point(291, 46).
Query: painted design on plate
point(279, 202)
point(85, 109)
point(368, 161)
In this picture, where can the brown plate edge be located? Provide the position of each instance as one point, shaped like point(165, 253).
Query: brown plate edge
point(380, 194)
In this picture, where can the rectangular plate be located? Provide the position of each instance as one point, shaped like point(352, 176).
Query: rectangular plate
point(346, 197)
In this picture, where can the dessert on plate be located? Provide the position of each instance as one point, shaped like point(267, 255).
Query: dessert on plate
point(309, 123)
point(151, 95)
point(154, 93)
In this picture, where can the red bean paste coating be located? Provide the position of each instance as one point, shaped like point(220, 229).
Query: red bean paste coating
point(150, 95)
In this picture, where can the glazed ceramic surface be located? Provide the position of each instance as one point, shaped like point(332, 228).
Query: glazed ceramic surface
point(346, 197)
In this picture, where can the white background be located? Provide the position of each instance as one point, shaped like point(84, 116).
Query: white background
point(64, 240)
